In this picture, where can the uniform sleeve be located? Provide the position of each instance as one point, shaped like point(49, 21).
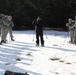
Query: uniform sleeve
point(71, 27)
point(1, 23)
point(12, 23)
point(67, 24)
point(5, 23)
point(34, 24)
point(43, 24)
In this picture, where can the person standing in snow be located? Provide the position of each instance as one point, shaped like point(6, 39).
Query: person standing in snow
point(11, 24)
point(39, 23)
point(2, 17)
point(75, 30)
point(8, 24)
point(1, 25)
point(70, 25)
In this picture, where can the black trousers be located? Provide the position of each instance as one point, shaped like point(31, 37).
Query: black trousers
point(39, 34)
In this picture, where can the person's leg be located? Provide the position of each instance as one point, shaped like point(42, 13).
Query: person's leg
point(10, 32)
point(0, 35)
point(41, 37)
point(3, 35)
point(72, 36)
point(37, 38)
point(75, 36)
point(6, 32)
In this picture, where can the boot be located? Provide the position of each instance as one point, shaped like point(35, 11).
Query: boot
point(37, 44)
point(2, 41)
point(42, 45)
point(12, 39)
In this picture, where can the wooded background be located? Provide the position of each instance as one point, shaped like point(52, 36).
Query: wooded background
point(54, 12)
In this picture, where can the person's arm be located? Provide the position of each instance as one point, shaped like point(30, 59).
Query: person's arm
point(33, 23)
point(67, 24)
point(12, 23)
point(43, 24)
point(5, 23)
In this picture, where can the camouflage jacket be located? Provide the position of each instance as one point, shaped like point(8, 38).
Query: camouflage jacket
point(70, 26)
point(8, 23)
point(1, 22)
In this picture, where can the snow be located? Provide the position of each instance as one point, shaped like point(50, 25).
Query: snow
point(58, 57)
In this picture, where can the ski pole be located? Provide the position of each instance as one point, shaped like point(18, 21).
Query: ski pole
point(33, 35)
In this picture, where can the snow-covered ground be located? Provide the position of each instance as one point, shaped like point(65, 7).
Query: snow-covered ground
point(58, 57)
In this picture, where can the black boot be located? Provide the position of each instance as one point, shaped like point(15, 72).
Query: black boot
point(42, 45)
point(12, 39)
point(37, 43)
point(2, 41)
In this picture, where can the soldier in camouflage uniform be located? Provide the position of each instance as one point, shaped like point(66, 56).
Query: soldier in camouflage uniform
point(2, 27)
point(70, 25)
point(8, 24)
point(1, 24)
point(75, 30)
point(11, 24)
